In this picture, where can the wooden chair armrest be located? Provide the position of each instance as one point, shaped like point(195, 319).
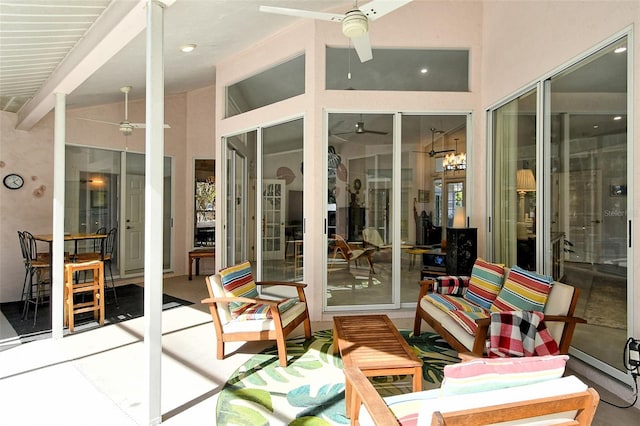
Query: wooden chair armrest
point(467, 356)
point(426, 286)
point(363, 392)
point(257, 300)
point(564, 318)
point(280, 283)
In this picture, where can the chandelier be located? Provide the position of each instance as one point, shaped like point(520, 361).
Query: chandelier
point(455, 161)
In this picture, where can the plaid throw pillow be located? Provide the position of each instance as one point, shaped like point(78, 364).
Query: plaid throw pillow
point(485, 283)
point(237, 281)
point(523, 291)
point(451, 285)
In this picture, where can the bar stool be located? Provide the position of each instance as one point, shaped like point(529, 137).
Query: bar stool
point(94, 289)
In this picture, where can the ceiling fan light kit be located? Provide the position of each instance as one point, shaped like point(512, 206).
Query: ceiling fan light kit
point(355, 24)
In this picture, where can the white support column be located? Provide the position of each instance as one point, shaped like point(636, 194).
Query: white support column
point(57, 280)
point(153, 239)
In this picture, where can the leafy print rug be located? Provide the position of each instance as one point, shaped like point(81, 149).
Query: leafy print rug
point(310, 390)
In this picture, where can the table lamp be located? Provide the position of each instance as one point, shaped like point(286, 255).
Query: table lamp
point(525, 182)
point(459, 219)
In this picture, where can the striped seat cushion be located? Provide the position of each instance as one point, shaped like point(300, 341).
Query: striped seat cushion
point(255, 311)
point(448, 303)
point(237, 281)
point(523, 291)
point(485, 283)
point(467, 320)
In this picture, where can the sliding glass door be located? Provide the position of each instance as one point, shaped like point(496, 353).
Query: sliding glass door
point(560, 193)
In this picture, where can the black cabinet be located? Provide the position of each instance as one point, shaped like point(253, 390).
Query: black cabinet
point(356, 223)
point(462, 250)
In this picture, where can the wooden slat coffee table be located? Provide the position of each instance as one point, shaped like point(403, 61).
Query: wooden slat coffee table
point(373, 344)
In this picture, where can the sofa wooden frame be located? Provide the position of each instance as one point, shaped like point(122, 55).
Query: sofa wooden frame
point(479, 343)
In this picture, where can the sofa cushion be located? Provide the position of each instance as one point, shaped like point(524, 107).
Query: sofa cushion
point(237, 281)
point(467, 320)
point(485, 283)
point(523, 291)
point(451, 285)
point(447, 303)
point(485, 374)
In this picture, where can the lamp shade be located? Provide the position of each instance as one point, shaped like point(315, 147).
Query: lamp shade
point(459, 219)
point(525, 181)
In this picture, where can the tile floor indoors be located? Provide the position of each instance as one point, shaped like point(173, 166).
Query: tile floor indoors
point(95, 377)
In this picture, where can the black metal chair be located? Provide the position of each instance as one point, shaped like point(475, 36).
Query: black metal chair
point(38, 266)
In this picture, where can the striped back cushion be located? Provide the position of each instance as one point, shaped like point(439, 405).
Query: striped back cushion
point(237, 281)
point(485, 283)
point(523, 291)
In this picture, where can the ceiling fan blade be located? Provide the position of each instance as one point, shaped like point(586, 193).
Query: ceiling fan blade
point(378, 8)
point(98, 121)
point(340, 138)
point(363, 47)
point(445, 150)
point(144, 125)
point(333, 17)
point(375, 132)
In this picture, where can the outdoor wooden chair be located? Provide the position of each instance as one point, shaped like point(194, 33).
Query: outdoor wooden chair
point(239, 313)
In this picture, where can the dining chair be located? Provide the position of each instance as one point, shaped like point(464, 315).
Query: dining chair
point(105, 254)
point(35, 266)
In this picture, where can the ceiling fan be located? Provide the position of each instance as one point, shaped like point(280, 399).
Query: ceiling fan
point(126, 127)
point(359, 130)
point(355, 22)
point(433, 152)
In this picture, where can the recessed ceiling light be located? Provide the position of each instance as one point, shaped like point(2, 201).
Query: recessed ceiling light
point(617, 117)
point(424, 71)
point(595, 126)
point(620, 49)
point(187, 48)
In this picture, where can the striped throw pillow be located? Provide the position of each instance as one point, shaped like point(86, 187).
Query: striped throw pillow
point(485, 283)
point(447, 303)
point(237, 281)
point(523, 291)
point(484, 374)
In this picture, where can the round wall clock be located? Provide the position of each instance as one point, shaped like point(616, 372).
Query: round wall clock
point(13, 181)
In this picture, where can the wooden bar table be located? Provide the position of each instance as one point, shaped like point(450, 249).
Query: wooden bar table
point(373, 344)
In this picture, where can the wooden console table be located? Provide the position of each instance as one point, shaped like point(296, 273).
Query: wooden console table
point(373, 344)
point(198, 254)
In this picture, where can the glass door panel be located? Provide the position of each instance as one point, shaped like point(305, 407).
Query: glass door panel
point(426, 140)
point(360, 236)
point(282, 201)
point(588, 203)
point(514, 182)
point(239, 234)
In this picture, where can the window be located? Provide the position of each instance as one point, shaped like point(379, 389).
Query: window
point(399, 69)
point(281, 82)
point(205, 201)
